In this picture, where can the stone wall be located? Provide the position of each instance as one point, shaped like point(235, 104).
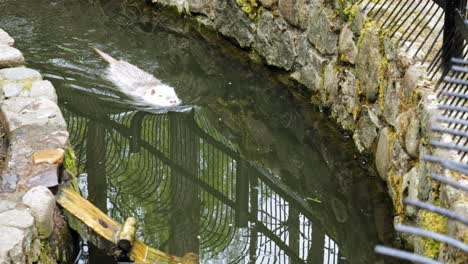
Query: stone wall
point(32, 228)
point(352, 69)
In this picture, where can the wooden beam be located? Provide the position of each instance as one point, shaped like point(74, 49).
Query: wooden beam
point(108, 229)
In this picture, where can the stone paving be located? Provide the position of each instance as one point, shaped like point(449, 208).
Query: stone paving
point(32, 121)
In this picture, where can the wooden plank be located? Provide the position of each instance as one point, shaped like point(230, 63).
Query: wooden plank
point(108, 229)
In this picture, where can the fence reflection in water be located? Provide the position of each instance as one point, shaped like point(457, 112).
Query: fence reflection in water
point(192, 191)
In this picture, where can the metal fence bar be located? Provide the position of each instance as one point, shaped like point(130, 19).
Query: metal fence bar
point(405, 255)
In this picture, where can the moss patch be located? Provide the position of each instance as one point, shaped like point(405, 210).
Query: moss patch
point(46, 254)
point(383, 81)
point(70, 161)
point(251, 7)
point(350, 12)
point(436, 223)
point(396, 183)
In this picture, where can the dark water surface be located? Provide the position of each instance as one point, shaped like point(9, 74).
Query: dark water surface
point(248, 176)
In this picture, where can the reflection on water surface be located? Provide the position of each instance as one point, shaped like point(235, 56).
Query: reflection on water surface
point(247, 176)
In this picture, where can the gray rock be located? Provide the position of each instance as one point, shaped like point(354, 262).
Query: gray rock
point(12, 89)
point(275, 41)
point(400, 160)
point(321, 30)
point(311, 73)
point(358, 21)
point(340, 114)
point(38, 137)
point(383, 154)
point(12, 249)
point(5, 39)
point(413, 76)
point(20, 247)
point(392, 103)
point(22, 111)
point(42, 204)
point(368, 63)
point(43, 89)
point(56, 139)
point(19, 159)
point(10, 57)
point(310, 76)
point(6, 205)
point(410, 189)
point(429, 112)
point(44, 175)
point(268, 3)
point(402, 122)
point(366, 131)
point(18, 218)
point(9, 182)
point(19, 74)
point(330, 83)
point(348, 87)
point(296, 12)
point(413, 137)
point(306, 54)
point(231, 21)
point(205, 7)
point(346, 46)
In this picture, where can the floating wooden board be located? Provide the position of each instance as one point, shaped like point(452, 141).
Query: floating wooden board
point(108, 229)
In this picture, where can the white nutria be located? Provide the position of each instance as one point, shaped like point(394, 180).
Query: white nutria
point(136, 83)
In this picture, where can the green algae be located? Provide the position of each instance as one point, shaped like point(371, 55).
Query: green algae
point(251, 7)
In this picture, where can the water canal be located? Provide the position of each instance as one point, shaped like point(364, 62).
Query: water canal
point(250, 175)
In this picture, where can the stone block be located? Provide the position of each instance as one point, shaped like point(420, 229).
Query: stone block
point(368, 63)
point(399, 159)
point(330, 83)
point(5, 39)
point(10, 57)
point(413, 137)
point(232, 22)
point(402, 122)
point(20, 111)
point(296, 12)
point(19, 74)
point(12, 249)
point(346, 46)
point(269, 3)
point(410, 189)
point(18, 218)
point(43, 89)
point(321, 30)
point(366, 131)
point(391, 100)
point(42, 204)
point(275, 41)
point(383, 154)
point(414, 75)
point(6, 205)
point(46, 175)
point(9, 182)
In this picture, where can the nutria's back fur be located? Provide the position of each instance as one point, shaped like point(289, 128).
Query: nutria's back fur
point(137, 83)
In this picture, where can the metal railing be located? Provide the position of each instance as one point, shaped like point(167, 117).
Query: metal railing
point(437, 33)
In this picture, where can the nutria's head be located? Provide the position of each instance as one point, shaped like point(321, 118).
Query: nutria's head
point(161, 96)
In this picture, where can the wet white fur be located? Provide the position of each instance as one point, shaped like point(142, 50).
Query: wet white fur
point(138, 84)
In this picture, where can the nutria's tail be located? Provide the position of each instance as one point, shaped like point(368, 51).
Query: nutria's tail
point(105, 56)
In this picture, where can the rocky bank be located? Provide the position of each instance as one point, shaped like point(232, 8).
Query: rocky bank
point(370, 88)
point(32, 229)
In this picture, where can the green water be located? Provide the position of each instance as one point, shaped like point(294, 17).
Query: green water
point(250, 175)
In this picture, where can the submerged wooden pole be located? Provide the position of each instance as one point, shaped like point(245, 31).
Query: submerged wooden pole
point(127, 235)
point(106, 228)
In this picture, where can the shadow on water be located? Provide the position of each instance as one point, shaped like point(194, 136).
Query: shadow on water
point(247, 176)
